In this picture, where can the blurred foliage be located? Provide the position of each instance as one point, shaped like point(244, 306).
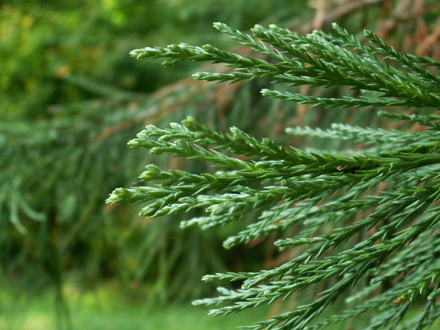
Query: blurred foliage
point(68, 115)
point(66, 121)
point(45, 41)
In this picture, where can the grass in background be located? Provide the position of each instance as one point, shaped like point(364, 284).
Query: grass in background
point(108, 308)
point(111, 308)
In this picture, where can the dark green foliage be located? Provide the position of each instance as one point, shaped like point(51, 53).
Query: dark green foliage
point(361, 225)
point(66, 119)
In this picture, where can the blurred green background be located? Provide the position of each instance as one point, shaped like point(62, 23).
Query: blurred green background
point(71, 98)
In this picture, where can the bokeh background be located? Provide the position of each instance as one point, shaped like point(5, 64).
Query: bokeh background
point(71, 98)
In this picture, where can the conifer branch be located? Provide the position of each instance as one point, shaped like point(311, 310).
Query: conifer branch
point(364, 219)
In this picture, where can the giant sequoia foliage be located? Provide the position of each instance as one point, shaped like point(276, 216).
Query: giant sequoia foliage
point(360, 223)
point(66, 119)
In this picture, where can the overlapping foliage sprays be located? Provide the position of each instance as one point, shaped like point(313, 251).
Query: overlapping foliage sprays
point(360, 224)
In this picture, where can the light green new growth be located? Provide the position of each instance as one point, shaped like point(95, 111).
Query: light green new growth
point(364, 223)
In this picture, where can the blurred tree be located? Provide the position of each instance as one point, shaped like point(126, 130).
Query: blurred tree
point(66, 121)
point(44, 42)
